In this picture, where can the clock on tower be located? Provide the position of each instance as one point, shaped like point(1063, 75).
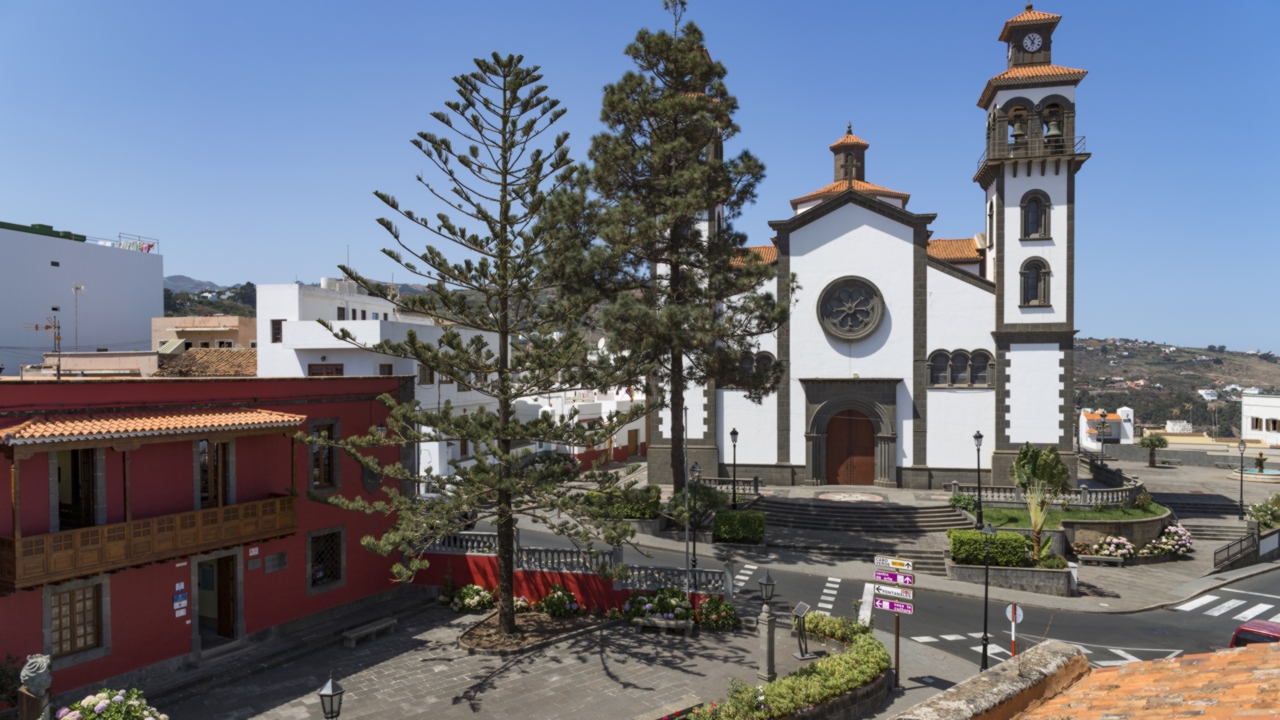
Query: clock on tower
point(1029, 36)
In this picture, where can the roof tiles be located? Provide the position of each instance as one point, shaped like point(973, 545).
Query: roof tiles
point(840, 186)
point(955, 250)
point(766, 253)
point(75, 428)
point(1030, 74)
point(1029, 17)
point(211, 362)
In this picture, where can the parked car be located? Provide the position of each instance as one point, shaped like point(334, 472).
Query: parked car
point(1254, 632)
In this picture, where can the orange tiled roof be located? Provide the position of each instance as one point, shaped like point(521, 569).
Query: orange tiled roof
point(957, 250)
point(1096, 416)
point(1236, 683)
point(1028, 17)
point(211, 362)
point(74, 428)
point(840, 186)
point(766, 253)
point(1029, 73)
point(849, 140)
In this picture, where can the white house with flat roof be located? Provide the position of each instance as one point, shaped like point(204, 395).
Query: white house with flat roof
point(1261, 415)
point(103, 293)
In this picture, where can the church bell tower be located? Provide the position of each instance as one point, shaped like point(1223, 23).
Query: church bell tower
point(1028, 172)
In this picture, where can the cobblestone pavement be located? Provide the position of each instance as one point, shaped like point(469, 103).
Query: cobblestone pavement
point(417, 673)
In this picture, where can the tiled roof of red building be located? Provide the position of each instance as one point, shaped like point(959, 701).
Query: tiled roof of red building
point(955, 250)
point(72, 428)
point(766, 254)
point(211, 362)
point(1030, 16)
point(1030, 73)
point(840, 186)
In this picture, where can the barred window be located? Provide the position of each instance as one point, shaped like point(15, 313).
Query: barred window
point(938, 369)
point(978, 375)
point(323, 457)
point(960, 369)
point(326, 559)
point(76, 620)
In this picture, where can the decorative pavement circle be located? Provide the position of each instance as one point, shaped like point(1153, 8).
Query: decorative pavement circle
point(850, 497)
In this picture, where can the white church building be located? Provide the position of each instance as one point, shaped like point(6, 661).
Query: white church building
point(900, 346)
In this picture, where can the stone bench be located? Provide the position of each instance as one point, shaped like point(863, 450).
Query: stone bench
point(350, 637)
point(1101, 560)
point(685, 626)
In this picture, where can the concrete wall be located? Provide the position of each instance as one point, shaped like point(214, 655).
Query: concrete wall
point(1046, 582)
point(1035, 384)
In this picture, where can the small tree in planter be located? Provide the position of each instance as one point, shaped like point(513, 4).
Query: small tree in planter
point(1042, 477)
point(1153, 443)
point(704, 502)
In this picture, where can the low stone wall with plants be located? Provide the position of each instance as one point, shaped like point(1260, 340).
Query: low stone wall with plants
point(1030, 579)
point(1139, 531)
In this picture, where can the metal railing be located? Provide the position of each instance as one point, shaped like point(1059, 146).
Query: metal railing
point(647, 577)
point(1034, 148)
point(1235, 550)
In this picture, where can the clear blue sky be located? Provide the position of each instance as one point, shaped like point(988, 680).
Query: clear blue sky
point(248, 137)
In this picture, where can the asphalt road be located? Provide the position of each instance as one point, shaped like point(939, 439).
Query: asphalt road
point(954, 623)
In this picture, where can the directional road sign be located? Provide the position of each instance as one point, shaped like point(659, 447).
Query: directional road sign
point(893, 563)
point(893, 577)
point(893, 591)
point(1008, 613)
point(893, 606)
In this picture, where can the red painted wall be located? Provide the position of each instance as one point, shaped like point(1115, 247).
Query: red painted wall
point(150, 463)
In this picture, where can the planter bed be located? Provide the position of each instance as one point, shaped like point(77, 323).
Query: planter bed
point(1138, 531)
point(1029, 579)
point(1153, 559)
point(686, 626)
point(536, 631)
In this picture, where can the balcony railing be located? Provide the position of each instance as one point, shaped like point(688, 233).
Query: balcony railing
point(1035, 148)
point(88, 551)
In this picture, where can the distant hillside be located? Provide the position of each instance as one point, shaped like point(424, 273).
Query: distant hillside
point(184, 284)
point(236, 300)
point(1160, 381)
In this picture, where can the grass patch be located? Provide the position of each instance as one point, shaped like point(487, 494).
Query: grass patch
point(1019, 518)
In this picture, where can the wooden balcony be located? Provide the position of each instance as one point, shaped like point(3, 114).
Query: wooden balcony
point(55, 557)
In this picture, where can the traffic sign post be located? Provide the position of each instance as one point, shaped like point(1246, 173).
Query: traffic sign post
point(1014, 614)
point(896, 573)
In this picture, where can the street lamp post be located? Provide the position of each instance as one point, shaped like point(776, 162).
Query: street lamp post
point(1241, 446)
point(733, 435)
point(987, 532)
point(695, 474)
point(331, 699)
point(765, 624)
point(977, 444)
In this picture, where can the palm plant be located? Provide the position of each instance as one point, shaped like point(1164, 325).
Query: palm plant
point(1042, 477)
point(1152, 443)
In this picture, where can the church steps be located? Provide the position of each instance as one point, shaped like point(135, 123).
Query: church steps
point(822, 515)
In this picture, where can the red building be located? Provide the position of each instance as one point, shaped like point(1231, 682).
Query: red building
point(147, 523)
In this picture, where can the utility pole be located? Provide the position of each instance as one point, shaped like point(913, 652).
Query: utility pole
point(76, 290)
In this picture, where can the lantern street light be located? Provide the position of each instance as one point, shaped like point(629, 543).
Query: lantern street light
point(765, 623)
point(987, 534)
point(977, 444)
point(733, 436)
point(331, 699)
point(1104, 431)
point(1241, 446)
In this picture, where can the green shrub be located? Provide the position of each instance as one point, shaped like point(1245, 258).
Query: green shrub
point(840, 629)
point(10, 679)
point(968, 547)
point(560, 602)
point(635, 503)
point(717, 614)
point(865, 660)
point(739, 526)
point(667, 603)
point(109, 704)
point(1054, 562)
point(1143, 502)
point(1267, 512)
point(472, 598)
point(968, 503)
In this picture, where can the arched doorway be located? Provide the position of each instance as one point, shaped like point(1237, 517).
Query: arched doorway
point(851, 448)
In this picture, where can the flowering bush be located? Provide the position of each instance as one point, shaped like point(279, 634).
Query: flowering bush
point(667, 604)
point(716, 614)
point(522, 604)
point(560, 602)
point(1112, 546)
point(1081, 548)
point(1175, 540)
point(472, 598)
point(111, 705)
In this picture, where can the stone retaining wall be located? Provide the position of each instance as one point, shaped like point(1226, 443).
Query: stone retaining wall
point(1037, 580)
point(1138, 532)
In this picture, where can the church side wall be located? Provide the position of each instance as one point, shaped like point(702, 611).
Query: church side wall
point(961, 316)
point(852, 241)
point(757, 427)
point(1035, 374)
point(954, 415)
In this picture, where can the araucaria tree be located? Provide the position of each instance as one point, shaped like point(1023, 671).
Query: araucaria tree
point(501, 177)
point(686, 297)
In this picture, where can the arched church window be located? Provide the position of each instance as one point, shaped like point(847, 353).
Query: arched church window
point(746, 366)
point(938, 368)
point(764, 363)
point(1035, 283)
point(978, 368)
point(1035, 216)
point(960, 369)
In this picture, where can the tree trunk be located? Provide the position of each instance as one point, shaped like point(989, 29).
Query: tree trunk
point(1035, 545)
point(506, 564)
point(677, 422)
point(1151, 458)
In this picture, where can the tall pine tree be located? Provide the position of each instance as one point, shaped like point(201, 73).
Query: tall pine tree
point(686, 297)
point(500, 177)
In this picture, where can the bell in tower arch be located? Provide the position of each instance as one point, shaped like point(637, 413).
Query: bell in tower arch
point(1019, 130)
point(1054, 129)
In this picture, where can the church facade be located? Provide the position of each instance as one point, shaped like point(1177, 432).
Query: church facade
point(902, 346)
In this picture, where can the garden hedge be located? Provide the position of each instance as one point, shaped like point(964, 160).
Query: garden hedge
point(968, 547)
point(740, 526)
point(638, 503)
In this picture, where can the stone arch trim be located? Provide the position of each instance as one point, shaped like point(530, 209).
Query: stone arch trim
point(1046, 226)
point(875, 398)
point(1047, 269)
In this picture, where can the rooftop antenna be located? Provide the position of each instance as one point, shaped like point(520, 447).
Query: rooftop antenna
point(55, 331)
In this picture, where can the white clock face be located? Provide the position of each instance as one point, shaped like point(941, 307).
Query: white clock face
point(1032, 42)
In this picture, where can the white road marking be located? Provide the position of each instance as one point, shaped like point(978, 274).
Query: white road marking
point(1198, 602)
point(975, 635)
point(1253, 612)
point(868, 597)
point(750, 567)
point(925, 639)
point(1228, 605)
point(825, 605)
point(1246, 592)
point(834, 580)
point(1125, 655)
point(953, 637)
point(992, 649)
point(823, 612)
point(833, 586)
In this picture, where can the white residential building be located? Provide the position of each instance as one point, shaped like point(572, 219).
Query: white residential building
point(103, 293)
point(1261, 415)
point(1116, 430)
point(1208, 395)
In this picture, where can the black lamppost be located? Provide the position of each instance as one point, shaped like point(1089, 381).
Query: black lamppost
point(733, 436)
point(695, 473)
point(331, 699)
point(977, 444)
point(987, 533)
point(1241, 446)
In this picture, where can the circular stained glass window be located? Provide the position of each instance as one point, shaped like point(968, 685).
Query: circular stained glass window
point(851, 308)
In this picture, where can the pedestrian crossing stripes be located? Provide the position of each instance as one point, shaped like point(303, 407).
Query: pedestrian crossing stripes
point(826, 602)
point(740, 580)
point(1205, 603)
point(1198, 602)
point(1253, 612)
point(1224, 607)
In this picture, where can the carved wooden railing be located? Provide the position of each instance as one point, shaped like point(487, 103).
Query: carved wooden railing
point(88, 551)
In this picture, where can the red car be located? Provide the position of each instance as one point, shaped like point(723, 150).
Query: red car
point(1254, 632)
